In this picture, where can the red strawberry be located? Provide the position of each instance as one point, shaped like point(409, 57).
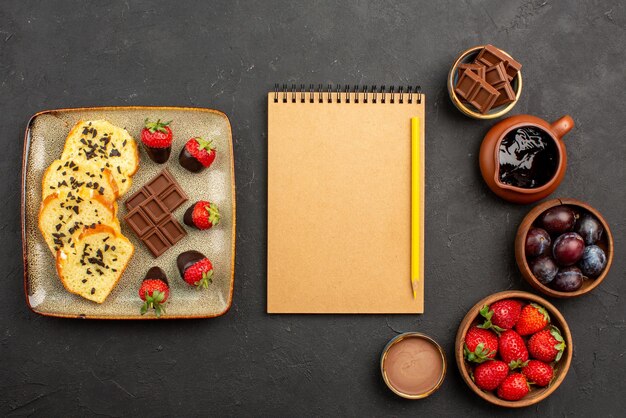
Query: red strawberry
point(202, 215)
point(512, 348)
point(490, 374)
point(514, 387)
point(538, 373)
point(197, 154)
point(480, 345)
point(156, 134)
point(547, 345)
point(199, 274)
point(154, 291)
point(501, 315)
point(157, 138)
point(534, 318)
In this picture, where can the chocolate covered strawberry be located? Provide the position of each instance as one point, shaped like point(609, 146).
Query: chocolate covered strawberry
point(157, 138)
point(533, 319)
point(154, 291)
point(547, 345)
point(202, 215)
point(538, 373)
point(512, 349)
point(197, 154)
point(195, 269)
point(514, 387)
point(490, 374)
point(501, 315)
point(480, 345)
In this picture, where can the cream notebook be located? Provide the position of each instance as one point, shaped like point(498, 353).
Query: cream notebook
point(339, 201)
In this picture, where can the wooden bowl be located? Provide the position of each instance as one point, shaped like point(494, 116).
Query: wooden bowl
point(536, 394)
point(606, 243)
point(468, 56)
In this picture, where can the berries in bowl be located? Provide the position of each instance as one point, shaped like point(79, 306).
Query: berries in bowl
point(513, 349)
point(564, 248)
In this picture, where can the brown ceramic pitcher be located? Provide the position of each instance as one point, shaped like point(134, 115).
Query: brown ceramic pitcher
point(489, 157)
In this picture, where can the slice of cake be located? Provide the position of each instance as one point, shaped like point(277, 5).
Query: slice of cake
point(107, 145)
point(94, 265)
point(64, 212)
point(69, 175)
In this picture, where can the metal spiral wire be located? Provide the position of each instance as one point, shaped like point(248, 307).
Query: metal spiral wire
point(349, 94)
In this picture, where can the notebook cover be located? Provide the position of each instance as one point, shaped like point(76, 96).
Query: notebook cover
point(339, 207)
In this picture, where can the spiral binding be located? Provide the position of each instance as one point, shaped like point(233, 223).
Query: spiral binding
point(349, 94)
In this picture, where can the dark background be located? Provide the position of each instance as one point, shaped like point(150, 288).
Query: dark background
point(227, 55)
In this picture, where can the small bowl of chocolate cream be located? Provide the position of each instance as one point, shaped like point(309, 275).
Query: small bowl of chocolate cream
point(413, 365)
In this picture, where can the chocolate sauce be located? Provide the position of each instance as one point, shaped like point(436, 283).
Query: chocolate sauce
point(189, 162)
point(528, 157)
point(187, 259)
point(156, 273)
point(414, 366)
point(159, 155)
point(187, 218)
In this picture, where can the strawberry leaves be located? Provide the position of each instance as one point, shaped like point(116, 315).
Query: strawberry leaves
point(479, 355)
point(516, 364)
point(214, 214)
point(486, 313)
point(207, 278)
point(154, 301)
point(204, 144)
point(156, 126)
point(560, 346)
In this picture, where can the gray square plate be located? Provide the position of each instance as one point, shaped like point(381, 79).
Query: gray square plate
point(43, 143)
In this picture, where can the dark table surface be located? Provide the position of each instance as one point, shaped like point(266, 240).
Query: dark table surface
point(227, 55)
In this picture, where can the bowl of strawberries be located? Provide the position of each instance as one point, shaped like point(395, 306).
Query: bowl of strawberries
point(513, 349)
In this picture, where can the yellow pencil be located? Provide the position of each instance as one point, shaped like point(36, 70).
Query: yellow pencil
point(416, 204)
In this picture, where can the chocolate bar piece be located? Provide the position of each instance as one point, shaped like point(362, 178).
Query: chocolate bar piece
point(507, 95)
point(150, 213)
point(172, 230)
point(496, 75)
point(466, 84)
point(156, 242)
point(172, 197)
point(490, 56)
point(136, 199)
point(477, 69)
point(483, 97)
point(512, 68)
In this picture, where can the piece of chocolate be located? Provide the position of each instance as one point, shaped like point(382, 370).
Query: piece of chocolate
point(173, 197)
point(156, 242)
point(506, 95)
point(172, 230)
point(139, 222)
point(483, 97)
point(150, 213)
point(187, 259)
point(158, 155)
point(512, 68)
point(160, 182)
point(156, 273)
point(490, 56)
point(189, 162)
point(466, 84)
point(155, 209)
point(477, 69)
point(496, 75)
point(136, 199)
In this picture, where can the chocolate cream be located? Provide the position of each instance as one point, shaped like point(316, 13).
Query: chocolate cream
point(413, 366)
